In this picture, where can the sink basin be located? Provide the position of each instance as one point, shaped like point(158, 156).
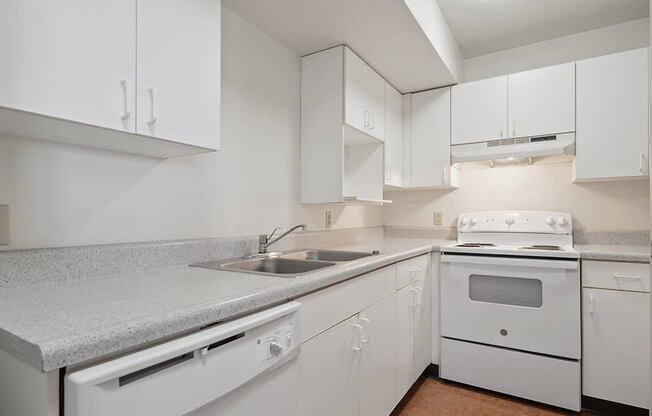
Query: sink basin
point(290, 264)
point(276, 266)
point(328, 255)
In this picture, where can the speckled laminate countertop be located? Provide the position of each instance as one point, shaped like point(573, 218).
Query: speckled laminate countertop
point(56, 325)
point(639, 254)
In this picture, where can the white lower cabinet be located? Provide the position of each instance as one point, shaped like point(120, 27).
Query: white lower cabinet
point(354, 363)
point(376, 385)
point(404, 340)
point(413, 327)
point(616, 346)
point(365, 363)
point(329, 372)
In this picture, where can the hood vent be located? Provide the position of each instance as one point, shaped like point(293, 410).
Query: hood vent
point(522, 147)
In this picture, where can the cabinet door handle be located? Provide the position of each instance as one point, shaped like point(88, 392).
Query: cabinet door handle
point(413, 303)
point(365, 339)
point(446, 176)
point(514, 128)
point(366, 119)
point(626, 277)
point(152, 119)
point(502, 129)
point(642, 163)
point(372, 121)
point(388, 173)
point(591, 304)
point(125, 94)
point(357, 330)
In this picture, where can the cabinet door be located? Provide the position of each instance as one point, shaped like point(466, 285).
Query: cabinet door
point(479, 110)
point(423, 324)
point(542, 101)
point(178, 91)
point(357, 111)
point(377, 389)
point(328, 372)
point(615, 359)
point(405, 301)
point(393, 136)
point(430, 137)
point(67, 58)
point(376, 94)
point(612, 116)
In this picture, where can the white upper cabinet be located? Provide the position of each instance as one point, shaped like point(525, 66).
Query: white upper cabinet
point(393, 137)
point(542, 101)
point(179, 71)
point(365, 97)
point(429, 145)
point(479, 111)
point(612, 116)
point(140, 77)
point(70, 59)
point(341, 156)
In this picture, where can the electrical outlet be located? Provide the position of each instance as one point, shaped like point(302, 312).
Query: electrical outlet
point(4, 225)
point(437, 217)
point(328, 220)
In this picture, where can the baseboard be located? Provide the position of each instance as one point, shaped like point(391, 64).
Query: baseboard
point(431, 371)
point(609, 408)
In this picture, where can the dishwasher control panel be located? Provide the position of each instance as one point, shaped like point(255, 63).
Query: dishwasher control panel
point(274, 343)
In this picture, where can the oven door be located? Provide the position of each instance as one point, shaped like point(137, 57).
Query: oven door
point(521, 303)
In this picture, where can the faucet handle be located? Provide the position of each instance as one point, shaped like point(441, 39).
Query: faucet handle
point(269, 237)
point(262, 238)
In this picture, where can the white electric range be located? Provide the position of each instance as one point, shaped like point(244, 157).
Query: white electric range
point(510, 306)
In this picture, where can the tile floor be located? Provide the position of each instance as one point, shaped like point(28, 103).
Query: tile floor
point(431, 397)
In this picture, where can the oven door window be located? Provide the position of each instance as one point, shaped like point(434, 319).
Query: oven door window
point(513, 291)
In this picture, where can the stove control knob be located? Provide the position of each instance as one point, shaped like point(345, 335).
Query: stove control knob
point(550, 221)
point(474, 220)
point(561, 221)
point(464, 220)
point(509, 220)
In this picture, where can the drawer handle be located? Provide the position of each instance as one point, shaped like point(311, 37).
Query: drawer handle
point(413, 301)
point(626, 277)
point(416, 270)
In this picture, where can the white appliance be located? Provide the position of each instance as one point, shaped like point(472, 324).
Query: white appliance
point(239, 368)
point(510, 306)
point(517, 148)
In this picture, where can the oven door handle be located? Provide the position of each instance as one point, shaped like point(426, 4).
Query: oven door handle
point(511, 262)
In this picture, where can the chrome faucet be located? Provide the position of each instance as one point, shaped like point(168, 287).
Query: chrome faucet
point(264, 241)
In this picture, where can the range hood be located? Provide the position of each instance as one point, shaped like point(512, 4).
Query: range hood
point(518, 148)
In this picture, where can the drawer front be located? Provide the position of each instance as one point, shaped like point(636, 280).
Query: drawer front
point(534, 377)
point(615, 275)
point(411, 270)
point(325, 308)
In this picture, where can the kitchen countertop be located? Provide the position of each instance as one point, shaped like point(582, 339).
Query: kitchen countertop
point(56, 325)
point(639, 254)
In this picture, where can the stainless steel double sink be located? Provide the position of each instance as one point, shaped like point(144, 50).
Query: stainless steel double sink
point(290, 264)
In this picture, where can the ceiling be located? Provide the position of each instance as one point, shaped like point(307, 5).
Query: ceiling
point(486, 26)
point(383, 32)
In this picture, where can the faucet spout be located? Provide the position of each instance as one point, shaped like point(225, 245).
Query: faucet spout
point(264, 241)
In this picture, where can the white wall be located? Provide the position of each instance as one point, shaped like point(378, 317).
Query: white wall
point(63, 195)
point(603, 41)
point(622, 205)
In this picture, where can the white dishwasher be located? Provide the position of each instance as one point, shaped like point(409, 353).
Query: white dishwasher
point(244, 367)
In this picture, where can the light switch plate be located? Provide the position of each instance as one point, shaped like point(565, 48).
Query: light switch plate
point(437, 217)
point(4, 225)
